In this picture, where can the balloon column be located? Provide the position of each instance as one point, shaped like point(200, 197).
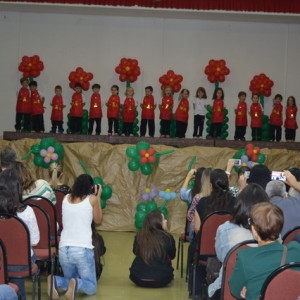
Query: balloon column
point(216, 70)
point(172, 80)
point(143, 157)
point(84, 122)
point(48, 151)
point(82, 77)
point(128, 70)
point(249, 156)
point(106, 189)
point(148, 204)
point(31, 66)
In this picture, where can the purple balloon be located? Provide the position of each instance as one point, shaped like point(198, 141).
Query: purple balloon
point(50, 149)
point(152, 194)
point(47, 159)
point(249, 164)
point(43, 152)
point(244, 158)
point(145, 197)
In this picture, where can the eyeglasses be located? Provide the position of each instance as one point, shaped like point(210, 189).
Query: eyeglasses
point(250, 222)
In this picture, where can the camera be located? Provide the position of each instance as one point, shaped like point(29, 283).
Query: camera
point(237, 162)
point(95, 189)
point(278, 175)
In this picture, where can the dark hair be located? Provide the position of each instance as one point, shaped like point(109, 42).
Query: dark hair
point(278, 96)
point(8, 202)
point(201, 89)
point(220, 194)
point(260, 174)
point(115, 87)
point(96, 86)
point(216, 91)
point(254, 94)
point(77, 85)
point(185, 90)
point(294, 100)
point(58, 87)
point(82, 186)
point(149, 88)
point(242, 170)
point(23, 79)
point(150, 239)
point(250, 195)
point(27, 179)
point(7, 157)
point(197, 182)
point(242, 93)
point(267, 219)
point(33, 83)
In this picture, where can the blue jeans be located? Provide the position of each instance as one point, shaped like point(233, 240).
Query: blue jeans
point(7, 293)
point(78, 263)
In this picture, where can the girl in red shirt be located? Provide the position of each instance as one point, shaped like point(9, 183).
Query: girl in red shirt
point(129, 109)
point(256, 113)
point(113, 109)
point(95, 115)
point(76, 111)
point(57, 111)
point(182, 114)
point(241, 117)
point(290, 122)
point(276, 119)
point(166, 108)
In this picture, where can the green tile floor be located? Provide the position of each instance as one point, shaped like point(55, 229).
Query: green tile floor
point(114, 283)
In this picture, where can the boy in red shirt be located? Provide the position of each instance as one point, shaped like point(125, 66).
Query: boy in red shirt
point(256, 113)
point(95, 110)
point(166, 108)
point(241, 117)
point(128, 114)
point(113, 110)
point(76, 111)
point(182, 114)
point(148, 106)
point(57, 111)
point(276, 119)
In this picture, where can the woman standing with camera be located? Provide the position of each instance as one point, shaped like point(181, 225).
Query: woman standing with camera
point(76, 254)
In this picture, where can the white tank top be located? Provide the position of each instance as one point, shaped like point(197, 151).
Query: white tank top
point(77, 219)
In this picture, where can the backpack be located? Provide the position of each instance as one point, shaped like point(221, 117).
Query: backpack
point(99, 251)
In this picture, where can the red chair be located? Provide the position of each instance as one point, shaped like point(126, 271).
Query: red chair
point(16, 238)
point(228, 265)
point(59, 195)
point(290, 235)
point(3, 269)
point(283, 283)
point(206, 238)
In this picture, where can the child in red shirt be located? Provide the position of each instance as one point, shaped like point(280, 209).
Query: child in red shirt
point(113, 109)
point(276, 119)
point(57, 111)
point(256, 113)
point(76, 110)
point(148, 106)
point(129, 109)
point(290, 122)
point(95, 110)
point(241, 117)
point(182, 114)
point(166, 108)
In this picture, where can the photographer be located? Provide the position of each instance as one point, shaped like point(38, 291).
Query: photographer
point(76, 254)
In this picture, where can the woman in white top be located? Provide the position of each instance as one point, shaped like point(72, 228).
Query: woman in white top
point(76, 254)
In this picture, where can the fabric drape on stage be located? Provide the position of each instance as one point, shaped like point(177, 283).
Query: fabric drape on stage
point(110, 162)
point(274, 6)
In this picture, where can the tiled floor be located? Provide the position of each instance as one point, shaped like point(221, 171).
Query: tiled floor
point(115, 284)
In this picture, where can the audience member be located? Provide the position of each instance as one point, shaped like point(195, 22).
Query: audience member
point(55, 173)
point(7, 158)
point(76, 254)
point(154, 249)
point(7, 293)
point(260, 174)
point(253, 265)
point(237, 230)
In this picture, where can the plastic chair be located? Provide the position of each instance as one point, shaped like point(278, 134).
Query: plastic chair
point(206, 237)
point(290, 235)
point(59, 195)
point(283, 283)
point(228, 265)
point(18, 249)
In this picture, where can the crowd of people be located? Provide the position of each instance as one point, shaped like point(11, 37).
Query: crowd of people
point(30, 110)
point(262, 209)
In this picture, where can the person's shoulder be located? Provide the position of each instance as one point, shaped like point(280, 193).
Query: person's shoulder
point(294, 246)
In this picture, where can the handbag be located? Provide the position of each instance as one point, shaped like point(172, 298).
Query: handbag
point(212, 269)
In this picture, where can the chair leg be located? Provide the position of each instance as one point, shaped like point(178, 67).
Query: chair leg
point(187, 269)
point(181, 258)
point(33, 286)
point(194, 282)
point(178, 254)
point(52, 273)
point(39, 287)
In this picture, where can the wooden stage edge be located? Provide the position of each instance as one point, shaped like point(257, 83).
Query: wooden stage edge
point(174, 142)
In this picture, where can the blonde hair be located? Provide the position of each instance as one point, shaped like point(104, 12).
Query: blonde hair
point(55, 171)
point(27, 177)
point(205, 183)
point(127, 90)
point(164, 90)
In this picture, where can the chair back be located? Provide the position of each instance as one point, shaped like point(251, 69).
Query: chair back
point(290, 235)
point(283, 283)
point(228, 265)
point(16, 238)
point(59, 195)
point(3, 264)
point(49, 208)
point(208, 231)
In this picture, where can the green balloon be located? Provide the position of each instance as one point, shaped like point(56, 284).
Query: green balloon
point(225, 127)
point(209, 108)
point(208, 116)
point(138, 225)
point(208, 122)
point(151, 205)
point(47, 142)
point(106, 192)
point(139, 216)
point(35, 149)
point(191, 184)
point(133, 165)
point(38, 160)
point(84, 124)
point(226, 119)
point(131, 152)
point(225, 112)
point(85, 114)
point(224, 135)
point(261, 158)
point(98, 180)
point(103, 203)
point(265, 119)
point(141, 207)
point(146, 169)
point(142, 145)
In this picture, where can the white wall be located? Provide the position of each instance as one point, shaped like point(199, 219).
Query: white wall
point(97, 42)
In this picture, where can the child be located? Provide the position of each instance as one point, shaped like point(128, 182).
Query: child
point(182, 114)
point(129, 109)
point(217, 117)
point(256, 113)
point(113, 109)
point(37, 108)
point(23, 107)
point(290, 122)
point(57, 111)
point(148, 106)
point(95, 110)
point(166, 108)
point(276, 119)
point(241, 117)
point(76, 110)
point(199, 105)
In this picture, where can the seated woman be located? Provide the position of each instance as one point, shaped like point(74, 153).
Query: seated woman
point(254, 265)
point(237, 230)
point(76, 254)
point(55, 173)
point(7, 293)
point(154, 248)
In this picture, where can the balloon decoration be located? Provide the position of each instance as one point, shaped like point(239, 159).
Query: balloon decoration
point(172, 80)
point(128, 70)
point(48, 151)
point(143, 157)
point(216, 70)
point(106, 189)
point(249, 156)
point(84, 122)
point(31, 66)
point(82, 77)
point(148, 204)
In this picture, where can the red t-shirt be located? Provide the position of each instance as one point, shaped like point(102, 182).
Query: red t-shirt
point(182, 111)
point(276, 115)
point(129, 110)
point(95, 106)
point(23, 101)
point(37, 106)
point(148, 108)
point(241, 114)
point(217, 111)
point(113, 106)
point(57, 108)
point(256, 115)
point(291, 117)
point(76, 105)
point(166, 108)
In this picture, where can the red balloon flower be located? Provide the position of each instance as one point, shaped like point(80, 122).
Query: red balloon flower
point(80, 76)
point(31, 66)
point(128, 70)
point(216, 70)
point(261, 84)
point(172, 80)
point(147, 156)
